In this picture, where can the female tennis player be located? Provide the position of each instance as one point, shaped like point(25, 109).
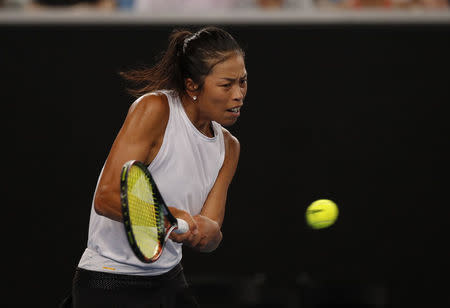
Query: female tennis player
point(176, 128)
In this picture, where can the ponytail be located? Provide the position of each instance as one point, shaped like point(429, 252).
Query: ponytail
point(166, 74)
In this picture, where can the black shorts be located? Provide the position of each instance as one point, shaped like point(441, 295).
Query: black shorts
point(99, 289)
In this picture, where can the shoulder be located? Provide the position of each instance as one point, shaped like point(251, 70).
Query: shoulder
point(232, 145)
point(155, 104)
point(148, 114)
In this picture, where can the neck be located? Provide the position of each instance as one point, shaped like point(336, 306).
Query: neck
point(194, 115)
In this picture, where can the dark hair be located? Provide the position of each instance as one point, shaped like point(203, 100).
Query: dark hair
point(189, 55)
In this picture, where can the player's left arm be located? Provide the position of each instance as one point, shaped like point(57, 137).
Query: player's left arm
point(210, 219)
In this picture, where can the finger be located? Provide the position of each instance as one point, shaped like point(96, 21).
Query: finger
point(193, 227)
point(179, 238)
point(194, 239)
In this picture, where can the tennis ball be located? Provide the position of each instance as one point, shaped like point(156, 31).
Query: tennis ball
point(321, 214)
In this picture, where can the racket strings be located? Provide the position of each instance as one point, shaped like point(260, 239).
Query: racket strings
point(144, 213)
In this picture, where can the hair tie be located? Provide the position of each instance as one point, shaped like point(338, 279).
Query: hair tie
point(190, 38)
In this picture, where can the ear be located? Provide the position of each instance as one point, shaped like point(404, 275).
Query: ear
point(191, 87)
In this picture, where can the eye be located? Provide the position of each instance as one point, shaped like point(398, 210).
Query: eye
point(243, 82)
point(226, 85)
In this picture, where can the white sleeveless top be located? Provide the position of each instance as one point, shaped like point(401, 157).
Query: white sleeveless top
point(185, 169)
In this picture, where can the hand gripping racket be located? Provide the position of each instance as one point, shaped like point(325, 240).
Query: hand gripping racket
point(148, 221)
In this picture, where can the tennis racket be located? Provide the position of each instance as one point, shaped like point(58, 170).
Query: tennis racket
point(147, 219)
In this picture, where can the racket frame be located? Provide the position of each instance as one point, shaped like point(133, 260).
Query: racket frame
point(159, 202)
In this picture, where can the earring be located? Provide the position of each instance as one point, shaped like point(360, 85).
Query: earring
point(194, 98)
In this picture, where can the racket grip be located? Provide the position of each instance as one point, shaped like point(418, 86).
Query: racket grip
point(183, 226)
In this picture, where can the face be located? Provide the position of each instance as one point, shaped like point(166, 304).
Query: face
point(223, 92)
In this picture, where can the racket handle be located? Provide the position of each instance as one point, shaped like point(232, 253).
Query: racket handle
point(183, 226)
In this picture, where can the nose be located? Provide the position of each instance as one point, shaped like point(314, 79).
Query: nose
point(238, 94)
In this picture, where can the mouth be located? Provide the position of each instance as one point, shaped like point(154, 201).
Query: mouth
point(235, 110)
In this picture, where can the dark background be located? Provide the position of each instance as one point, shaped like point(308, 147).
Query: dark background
point(353, 113)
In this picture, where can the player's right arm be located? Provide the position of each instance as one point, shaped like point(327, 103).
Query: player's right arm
point(139, 138)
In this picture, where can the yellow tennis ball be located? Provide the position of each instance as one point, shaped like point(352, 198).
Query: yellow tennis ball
point(321, 214)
